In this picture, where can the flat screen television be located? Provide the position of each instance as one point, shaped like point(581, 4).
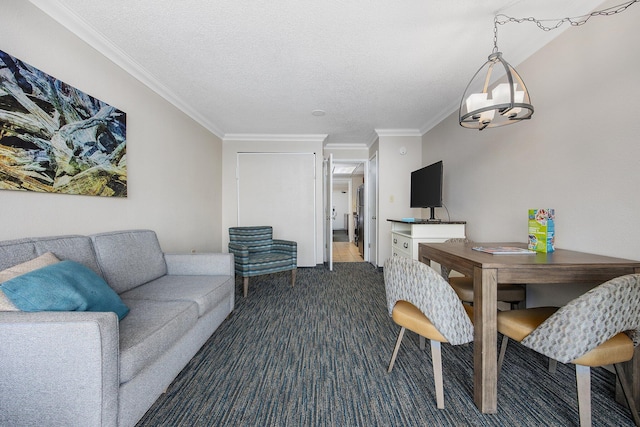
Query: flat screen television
point(426, 188)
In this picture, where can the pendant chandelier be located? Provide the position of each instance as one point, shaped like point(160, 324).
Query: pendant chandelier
point(498, 102)
point(496, 95)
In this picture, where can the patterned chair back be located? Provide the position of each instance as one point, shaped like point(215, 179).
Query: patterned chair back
point(258, 238)
point(589, 320)
point(415, 282)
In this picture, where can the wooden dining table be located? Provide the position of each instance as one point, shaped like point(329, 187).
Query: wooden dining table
point(555, 269)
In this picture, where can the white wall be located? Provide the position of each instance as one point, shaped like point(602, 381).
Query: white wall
point(394, 182)
point(233, 145)
point(579, 153)
point(341, 203)
point(174, 164)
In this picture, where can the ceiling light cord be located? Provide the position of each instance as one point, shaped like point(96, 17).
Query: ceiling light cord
point(496, 95)
point(575, 21)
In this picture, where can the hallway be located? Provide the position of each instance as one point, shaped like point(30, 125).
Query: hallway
point(346, 252)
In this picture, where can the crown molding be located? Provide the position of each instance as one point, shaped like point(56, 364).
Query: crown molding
point(266, 137)
point(72, 22)
point(346, 146)
point(372, 139)
point(398, 132)
point(436, 120)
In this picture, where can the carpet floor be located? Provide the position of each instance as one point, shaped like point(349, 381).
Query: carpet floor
point(317, 355)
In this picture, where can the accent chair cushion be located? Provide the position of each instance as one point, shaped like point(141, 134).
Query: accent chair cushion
point(64, 286)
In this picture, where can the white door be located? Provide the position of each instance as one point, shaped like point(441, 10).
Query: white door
point(328, 206)
point(278, 189)
point(372, 190)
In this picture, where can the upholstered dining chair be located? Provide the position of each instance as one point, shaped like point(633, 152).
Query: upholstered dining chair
point(256, 252)
point(589, 331)
point(420, 300)
point(463, 285)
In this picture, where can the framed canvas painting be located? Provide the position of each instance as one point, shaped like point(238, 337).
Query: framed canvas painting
point(54, 138)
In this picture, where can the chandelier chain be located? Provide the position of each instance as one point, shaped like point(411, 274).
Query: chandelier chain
point(502, 19)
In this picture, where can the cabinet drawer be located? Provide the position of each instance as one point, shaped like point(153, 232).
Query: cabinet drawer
point(401, 243)
point(396, 252)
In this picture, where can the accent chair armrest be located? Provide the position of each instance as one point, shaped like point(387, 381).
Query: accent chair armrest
point(238, 248)
point(289, 244)
point(240, 256)
point(285, 246)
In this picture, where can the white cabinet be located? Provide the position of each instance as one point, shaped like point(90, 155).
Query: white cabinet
point(405, 236)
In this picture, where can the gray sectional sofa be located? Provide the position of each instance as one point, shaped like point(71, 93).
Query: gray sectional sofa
point(88, 368)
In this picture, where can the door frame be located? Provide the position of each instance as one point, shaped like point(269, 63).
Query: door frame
point(372, 223)
point(365, 162)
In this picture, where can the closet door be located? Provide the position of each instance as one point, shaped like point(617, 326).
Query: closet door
point(278, 189)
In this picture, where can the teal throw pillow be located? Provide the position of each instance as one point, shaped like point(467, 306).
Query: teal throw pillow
point(64, 286)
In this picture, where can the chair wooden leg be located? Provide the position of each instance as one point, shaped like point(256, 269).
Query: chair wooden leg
point(245, 281)
point(293, 277)
point(395, 350)
point(436, 357)
point(626, 389)
point(503, 350)
point(583, 381)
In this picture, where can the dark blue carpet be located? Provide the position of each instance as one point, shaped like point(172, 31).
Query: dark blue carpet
point(317, 355)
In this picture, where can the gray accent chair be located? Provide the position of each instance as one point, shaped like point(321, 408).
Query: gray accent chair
point(420, 300)
point(589, 331)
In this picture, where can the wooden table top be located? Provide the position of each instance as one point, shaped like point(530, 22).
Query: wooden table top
point(560, 266)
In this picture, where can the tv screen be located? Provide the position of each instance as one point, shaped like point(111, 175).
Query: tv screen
point(426, 187)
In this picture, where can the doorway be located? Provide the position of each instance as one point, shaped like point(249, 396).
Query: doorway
point(347, 177)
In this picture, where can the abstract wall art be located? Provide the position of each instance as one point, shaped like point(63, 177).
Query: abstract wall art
point(55, 138)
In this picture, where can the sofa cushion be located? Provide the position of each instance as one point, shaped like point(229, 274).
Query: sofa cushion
point(72, 248)
point(22, 268)
point(13, 252)
point(149, 330)
point(64, 286)
point(129, 258)
point(205, 291)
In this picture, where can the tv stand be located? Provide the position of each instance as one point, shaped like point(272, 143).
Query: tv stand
point(407, 234)
point(432, 216)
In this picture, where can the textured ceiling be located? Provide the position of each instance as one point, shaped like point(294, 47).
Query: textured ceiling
point(262, 67)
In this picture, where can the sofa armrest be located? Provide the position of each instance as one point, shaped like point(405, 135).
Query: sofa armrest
point(59, 368)
point(202, 264)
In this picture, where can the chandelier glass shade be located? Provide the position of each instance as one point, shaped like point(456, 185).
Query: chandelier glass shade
point(495, 96)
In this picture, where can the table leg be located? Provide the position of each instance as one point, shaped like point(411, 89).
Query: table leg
point(485, 284)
